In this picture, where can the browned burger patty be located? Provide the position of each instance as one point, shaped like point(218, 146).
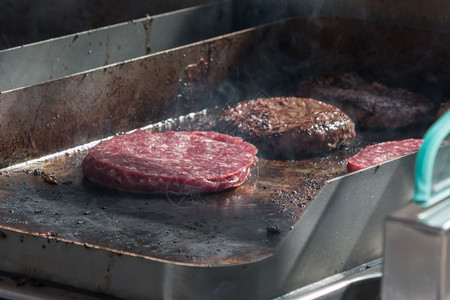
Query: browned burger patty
point(287, 126)
point(369, 105)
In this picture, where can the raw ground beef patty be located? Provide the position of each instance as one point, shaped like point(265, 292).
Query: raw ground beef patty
point(285, 127)
point(382, 152)
point(171, 162)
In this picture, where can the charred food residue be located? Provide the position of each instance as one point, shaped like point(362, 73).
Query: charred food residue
point(273, 230)
point(198, 70)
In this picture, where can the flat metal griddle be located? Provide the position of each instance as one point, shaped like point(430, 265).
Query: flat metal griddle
point(204, 229)
point(79, 234)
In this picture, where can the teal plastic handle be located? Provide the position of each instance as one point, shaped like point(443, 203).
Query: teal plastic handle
point(435, 135)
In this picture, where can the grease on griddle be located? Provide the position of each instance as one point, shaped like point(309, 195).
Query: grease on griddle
point(273, 230)
point(48, 234)
point(49, 178)
point(22, 281)
point(37, 172)
point(292, 202)
point(5, 173)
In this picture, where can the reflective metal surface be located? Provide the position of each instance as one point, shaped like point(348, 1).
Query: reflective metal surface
point(416, 253)
point(13, 286)
point(53, 59)
point(362, 282)
point(27, 21)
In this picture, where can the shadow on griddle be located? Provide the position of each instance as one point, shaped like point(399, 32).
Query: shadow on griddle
point(180, 201)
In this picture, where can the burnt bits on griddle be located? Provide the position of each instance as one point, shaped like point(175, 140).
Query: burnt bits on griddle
point(197, 71)
point(273, 230)
point(48, 177)
point(370, 105)
point(288, 127)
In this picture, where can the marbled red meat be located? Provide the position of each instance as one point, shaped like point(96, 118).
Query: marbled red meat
point(171, 162)
point(382, 152)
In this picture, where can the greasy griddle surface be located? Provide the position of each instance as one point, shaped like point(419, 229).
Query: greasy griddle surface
point(208, 229)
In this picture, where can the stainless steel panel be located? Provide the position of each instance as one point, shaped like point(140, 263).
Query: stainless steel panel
point(362, 282)
point(27, 21)
point(416, 253)
point(59, 57)
point(415, 263)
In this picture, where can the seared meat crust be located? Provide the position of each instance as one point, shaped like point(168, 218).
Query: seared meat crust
point(286, 127)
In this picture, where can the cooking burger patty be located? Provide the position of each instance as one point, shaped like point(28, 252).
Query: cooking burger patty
point(376, 154)
point(369, 105)
point(171, 162)
point(288, 126)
